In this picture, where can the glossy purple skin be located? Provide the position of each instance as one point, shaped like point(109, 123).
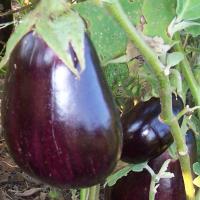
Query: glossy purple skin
point(136, 186)
point(145, 136)
point(5, 32)
point(61, 129)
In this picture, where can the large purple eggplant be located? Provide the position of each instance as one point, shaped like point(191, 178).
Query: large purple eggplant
point(5, 5)
point(136, 186)
point(145, 135)
point(59, 128)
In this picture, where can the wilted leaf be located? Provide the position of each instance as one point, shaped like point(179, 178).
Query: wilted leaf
point(157, 44)
point(26, 193)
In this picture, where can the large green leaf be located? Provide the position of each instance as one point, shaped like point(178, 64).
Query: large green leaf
point(188, 9)
point(108, 38)
point(194, 30)
point(133, 9)
point(158, 15)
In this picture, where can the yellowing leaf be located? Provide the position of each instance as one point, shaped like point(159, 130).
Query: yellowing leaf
point(197, 181)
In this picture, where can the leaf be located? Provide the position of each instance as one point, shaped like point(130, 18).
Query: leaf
point(196, 168)
point(176, 81)
point(59, 37)
point(194, 30)
point(188, 9)
point(148, 82)
point(174, 58)
point(116, 74)
point(196, 72)
point(24, 27)
point(164, 10)
point(138, 167)
point(108, 37)
point(196, 181)
point(163, 169)
point(167, 175)
point(176, 26)
point(111, 180)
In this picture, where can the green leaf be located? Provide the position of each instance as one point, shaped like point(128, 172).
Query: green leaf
point(194, 30)
point(188, 9)
point(196, 72)
point(111, 180)
point(59, 37)
point(133, 10)
point(174, 58)
point(176, 81)
point(24, 27)
point(176, 26)
point(108, 37)
point(196, 168)
point(196, 181)
point(138, 167)
point(158, 16)
point(164, 167)
point(148, 83)
point(116, 74)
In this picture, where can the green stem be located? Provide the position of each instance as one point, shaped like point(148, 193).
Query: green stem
point(165, 92)
point(187, 72)
point(94, 192)
point(84, 193)
point(152, 193)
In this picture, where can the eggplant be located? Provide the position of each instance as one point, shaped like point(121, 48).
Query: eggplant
point(136, 186)
point(145, 135)
point(59, 128)
point(5, 33)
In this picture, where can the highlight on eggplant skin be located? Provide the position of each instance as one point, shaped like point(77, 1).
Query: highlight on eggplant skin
point(61, 129)
point(145, 135)
point(135, 186)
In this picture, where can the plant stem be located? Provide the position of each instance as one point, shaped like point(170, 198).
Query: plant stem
point(187, 72)
point(94, 192)
point(165, 92)
point(84, 193)
point(152, 193)
point(152, 188)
